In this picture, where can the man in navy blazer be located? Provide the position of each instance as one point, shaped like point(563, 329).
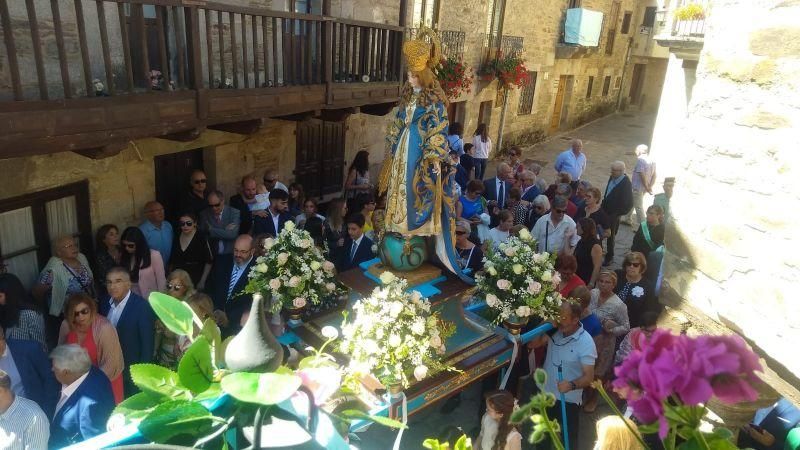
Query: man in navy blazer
point(32, 367)
point(86, 398)
point(221, 223)
point(357, 248)
point(229, 280)
point(528, 187)
point(134, 320)
point(496, 189)
point(272, 220)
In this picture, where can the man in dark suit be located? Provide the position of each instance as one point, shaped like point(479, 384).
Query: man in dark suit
point(86, 399)
point(357, 247)
point(220, 223)
point(496, 189)
point(617, 202)
point(31, 375)
point(134, 320)
point(195, 199)
point(277, 214)
point(243, 201)
point(229, 280)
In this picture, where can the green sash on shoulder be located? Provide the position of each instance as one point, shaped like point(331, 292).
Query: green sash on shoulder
point(646, 233)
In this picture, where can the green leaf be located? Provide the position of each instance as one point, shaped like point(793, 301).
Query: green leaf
point(463, 443)
point(261, 388)
point(432, 444)
point(353, 414)
point(175, 419)
point(138, 405)
point(211, 331)
point(723, 433)
point(159, 381)
point(219, 351)
point(195, 369)
point(213, 391)
point(175, 314)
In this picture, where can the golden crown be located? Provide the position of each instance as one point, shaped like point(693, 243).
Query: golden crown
point(421, 54)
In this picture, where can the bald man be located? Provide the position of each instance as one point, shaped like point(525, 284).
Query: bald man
point(572, 160)
point(230, 279)
point(156, 230)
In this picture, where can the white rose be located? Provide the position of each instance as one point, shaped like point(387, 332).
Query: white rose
point(492, 300)
point(539, 257)
point(328, 266)
point(330, 287)
point(288, 226)
point(330, 332)
point(395, 309)
point(556, 279)
point(387, 277)
point(534, 287)
point(418, 327)
point(283, 257)
point(547, 276)
point(523, 311)
point(274, 284)
point(299, 302)
point(416, 296)
point(492, 271)
point(294, 281)
point(510, 251)
point(436, 341)
point(394, 340)
point(315, 265)
point(517, 268)
point(503, 284)
point(525, 235)
point(305, 243)
point(420, 372)
point(268, 243)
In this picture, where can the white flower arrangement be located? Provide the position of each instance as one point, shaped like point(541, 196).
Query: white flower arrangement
point(290, 271)
point(394, 334)
point(518, 282)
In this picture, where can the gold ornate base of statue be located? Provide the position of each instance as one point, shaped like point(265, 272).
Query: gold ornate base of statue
point(421, 275)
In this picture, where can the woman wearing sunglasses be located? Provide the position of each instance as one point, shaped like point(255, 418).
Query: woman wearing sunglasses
point(82, 325)
point(634, 289)
point(169, 346)
point(191, 251)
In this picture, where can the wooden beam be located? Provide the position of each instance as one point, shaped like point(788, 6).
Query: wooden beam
point(380, 109)
point(299, 117)
point(183, 136)
point(338, 115)
point(245, 127)
point(103, 152)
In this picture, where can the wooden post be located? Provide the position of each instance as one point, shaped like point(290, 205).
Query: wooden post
point(502, 122)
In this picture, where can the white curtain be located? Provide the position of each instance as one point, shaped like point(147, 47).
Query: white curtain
point(62, 218)
point(16, 233)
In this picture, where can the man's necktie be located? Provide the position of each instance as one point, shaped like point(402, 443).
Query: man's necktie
point(353, 251)
point(501, 198)
point(234, 279)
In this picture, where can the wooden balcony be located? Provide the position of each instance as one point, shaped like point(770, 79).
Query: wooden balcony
point(91, 77)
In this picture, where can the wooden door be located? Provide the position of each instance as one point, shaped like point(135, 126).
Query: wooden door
point(555, 119)
point(172, 179)
point(636, 83)
point(320, 157)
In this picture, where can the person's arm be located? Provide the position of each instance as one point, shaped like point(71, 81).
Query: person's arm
point(351, 179)
point(93, 418)
point(570, 241)
point(109, 351)
point(514, 441)
point(158, 270)
point(37, 433)
point(459, 208)
point(39, 291)
point(229, 232)
point(597, 262)
point(62, 332)
point(581, 382)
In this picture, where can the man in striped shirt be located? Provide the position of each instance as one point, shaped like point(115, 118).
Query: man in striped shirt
point(23, 425)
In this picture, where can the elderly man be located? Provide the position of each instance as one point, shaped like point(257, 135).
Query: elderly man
point(244, 201)
point(23, 425)
point(195, 199)
point(134, 320)
point(271, 181)
point(555, 232)
point(565, 190)
point(496, 188)
point(617, 202)
point(230, 279)
point(26, 364)
point(157, 231)
point(221, 223)
point(86, 398)
point(569, 364)
point(572, 160)
point(644, 177)
point(528, 186)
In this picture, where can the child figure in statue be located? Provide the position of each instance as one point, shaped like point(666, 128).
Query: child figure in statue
point(420, 193)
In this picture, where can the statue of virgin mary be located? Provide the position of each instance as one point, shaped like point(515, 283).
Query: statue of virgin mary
point(420, 190)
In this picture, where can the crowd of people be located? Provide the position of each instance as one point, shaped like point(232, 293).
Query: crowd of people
point(90, 313)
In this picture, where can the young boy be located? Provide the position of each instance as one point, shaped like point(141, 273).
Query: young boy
point(357, 247)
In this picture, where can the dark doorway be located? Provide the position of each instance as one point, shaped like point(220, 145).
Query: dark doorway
point(320, 157)
point(636, 83)
point(172, 178)
point(485, 113)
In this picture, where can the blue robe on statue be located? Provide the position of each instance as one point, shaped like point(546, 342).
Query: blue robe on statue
point(420, 198)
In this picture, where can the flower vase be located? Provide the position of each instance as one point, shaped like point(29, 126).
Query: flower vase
point(515, 324)
point(395, 389)
point(295, 314)
point(276, 323)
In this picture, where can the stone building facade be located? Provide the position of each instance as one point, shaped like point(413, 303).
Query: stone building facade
point(726, 129)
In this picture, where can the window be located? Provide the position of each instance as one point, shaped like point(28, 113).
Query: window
point(649, 16)
point(28, 225)
point(606, 85)
point(426, 12)
point(494, 24)
point(626, 22)
point(456, 112)
point(589, 87)
point(526, 97)
point(485, 112)
point(617, 82)
point(612, 27)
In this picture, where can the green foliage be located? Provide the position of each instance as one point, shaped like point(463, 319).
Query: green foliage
point(177, 419)
point(463, 443)
point(139, 405)
point(261, 388)
point(159, 381)
point(176, 315)
point(355, 414)
point(195, 369)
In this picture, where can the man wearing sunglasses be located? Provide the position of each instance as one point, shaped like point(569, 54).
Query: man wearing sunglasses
point(195, 199)
point(271, 181)
point(221, 223)
point(555, 232)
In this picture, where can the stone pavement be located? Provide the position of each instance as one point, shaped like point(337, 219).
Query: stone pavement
point(605, 140)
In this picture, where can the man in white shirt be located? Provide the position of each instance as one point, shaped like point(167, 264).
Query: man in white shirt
point(23, 425)
point(555, 231)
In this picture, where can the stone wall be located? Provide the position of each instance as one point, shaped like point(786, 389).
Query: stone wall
point(733, 253)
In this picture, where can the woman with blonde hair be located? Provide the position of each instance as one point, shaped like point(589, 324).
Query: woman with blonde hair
point(614, 434)
point(169, 346)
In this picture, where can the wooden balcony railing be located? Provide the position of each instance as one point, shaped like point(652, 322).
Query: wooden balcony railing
point(176, 65)
point(495, 46)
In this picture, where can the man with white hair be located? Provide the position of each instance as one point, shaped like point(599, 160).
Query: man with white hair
point(23, 425)
point(617, 202)
point(644, 177)
point(86, 398)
